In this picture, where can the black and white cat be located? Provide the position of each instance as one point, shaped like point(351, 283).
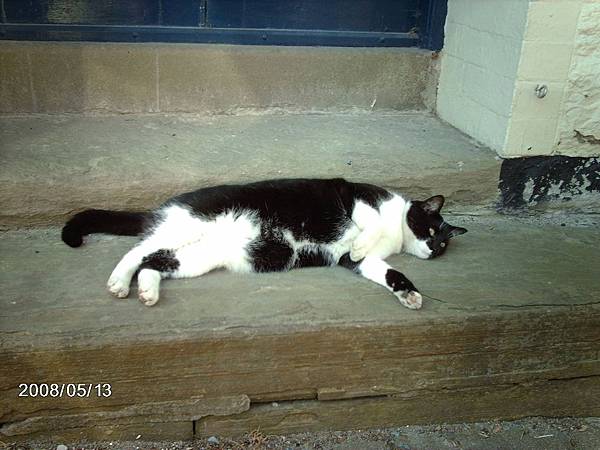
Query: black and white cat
point(272, 226)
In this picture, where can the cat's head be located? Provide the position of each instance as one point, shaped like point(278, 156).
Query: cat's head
point(428, 234)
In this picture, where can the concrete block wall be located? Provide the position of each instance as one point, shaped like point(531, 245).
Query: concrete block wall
point(479, 63)
point(547, 58)
point(495, 55)
point(51, 77)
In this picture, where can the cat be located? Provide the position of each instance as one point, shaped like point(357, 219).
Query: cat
point(274, 225)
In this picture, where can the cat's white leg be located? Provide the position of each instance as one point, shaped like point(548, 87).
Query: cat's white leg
point(190, 261)
point(120, 278)
point(368, 221)
point(177, 228)
point(149, 286)
point(380, 272)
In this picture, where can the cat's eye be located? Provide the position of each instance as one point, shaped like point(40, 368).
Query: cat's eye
point(431, 232)
point(443, 244)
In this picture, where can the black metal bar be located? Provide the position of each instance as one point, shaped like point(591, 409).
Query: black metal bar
point(120, 33)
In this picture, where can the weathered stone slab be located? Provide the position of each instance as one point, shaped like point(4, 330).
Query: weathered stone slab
point(16, 95)
point(510, 305)
point(75, 77)
point(51, 166)
point(66, 77)
point(220, 78)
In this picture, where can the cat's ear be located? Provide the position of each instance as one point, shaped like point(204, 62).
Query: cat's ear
point(456, 231)
point(433, 204)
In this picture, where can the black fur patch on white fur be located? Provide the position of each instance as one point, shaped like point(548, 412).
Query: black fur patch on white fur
point(162, 260)
point(270, 252)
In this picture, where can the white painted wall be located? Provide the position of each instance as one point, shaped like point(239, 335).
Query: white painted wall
point(496, 52)
point(483, 40)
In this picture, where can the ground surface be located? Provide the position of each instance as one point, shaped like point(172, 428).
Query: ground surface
point(53, 165)
point(534, 433)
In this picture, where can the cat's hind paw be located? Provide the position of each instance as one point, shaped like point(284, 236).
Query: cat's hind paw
point(149, 297)
point(117, 287)
point(411, 299)
point(148, 286)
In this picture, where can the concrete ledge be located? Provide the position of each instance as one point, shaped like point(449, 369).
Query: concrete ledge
point(49, 77)
point(52, 166)
point(510, 327)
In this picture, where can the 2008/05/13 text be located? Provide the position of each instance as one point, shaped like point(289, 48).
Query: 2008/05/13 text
point(57, 390)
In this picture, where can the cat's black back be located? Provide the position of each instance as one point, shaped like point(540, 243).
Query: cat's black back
point(312, 209)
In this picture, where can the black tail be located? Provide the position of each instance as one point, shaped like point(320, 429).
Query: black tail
point(102, 221)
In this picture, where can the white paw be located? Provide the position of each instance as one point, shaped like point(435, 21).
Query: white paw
point(148, 286)
point(117, 286)
point(412, 300)
point(361, 246)
point(148, 297)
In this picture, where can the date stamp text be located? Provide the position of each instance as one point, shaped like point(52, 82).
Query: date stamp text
point(59, 390)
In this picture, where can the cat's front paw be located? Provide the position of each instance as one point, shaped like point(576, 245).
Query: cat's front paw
point(117, 287)
point(361, 246)
point(410, 299)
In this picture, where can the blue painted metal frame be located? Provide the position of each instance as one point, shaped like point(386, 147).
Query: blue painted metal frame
point(431, 24)
point(120, 33)
point(365, 23)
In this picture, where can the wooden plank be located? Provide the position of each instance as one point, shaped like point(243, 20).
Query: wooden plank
point(172, 417)
point(573, 397)
point(481, 352)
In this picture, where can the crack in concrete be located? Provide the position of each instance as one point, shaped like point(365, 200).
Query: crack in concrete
point(544, 305)
point(507, 306)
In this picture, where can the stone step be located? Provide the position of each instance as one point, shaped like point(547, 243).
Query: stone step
point(510, 327)
point(52, 166)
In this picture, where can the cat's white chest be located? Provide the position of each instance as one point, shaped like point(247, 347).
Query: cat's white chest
point(387, 245)
point(391, 236)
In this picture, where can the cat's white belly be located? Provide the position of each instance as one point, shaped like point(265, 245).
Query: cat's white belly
point(223, 239)
point(227, 238)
